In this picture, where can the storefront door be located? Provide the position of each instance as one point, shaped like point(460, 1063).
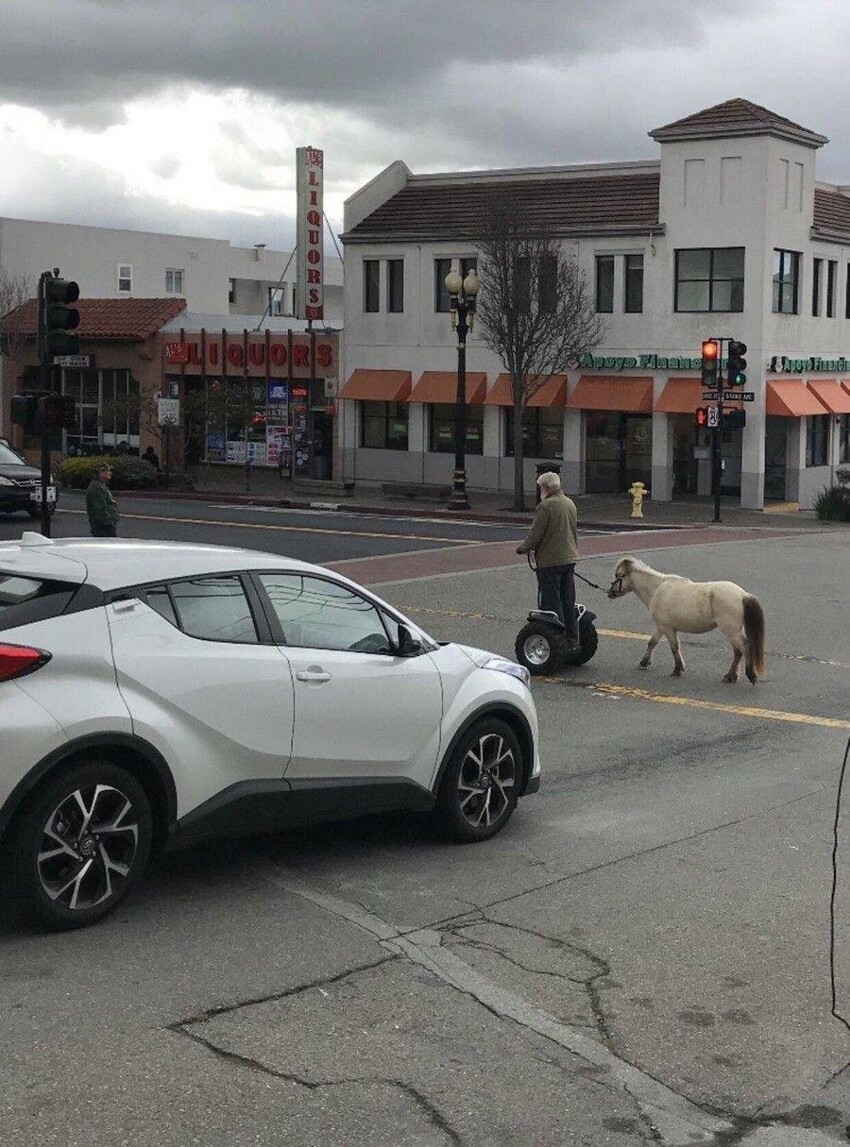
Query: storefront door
point(775, 451)
point(619, 451)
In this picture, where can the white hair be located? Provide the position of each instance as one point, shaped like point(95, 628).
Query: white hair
point(549, 481)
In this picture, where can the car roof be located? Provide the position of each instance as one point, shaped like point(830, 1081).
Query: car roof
point(113, 563)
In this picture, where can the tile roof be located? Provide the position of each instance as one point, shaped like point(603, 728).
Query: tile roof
point(107, 320)
point(735, 118)
point(832, 212)
point(570, 204)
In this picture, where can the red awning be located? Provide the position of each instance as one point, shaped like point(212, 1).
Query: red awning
point(553, 392)
point(440, 386)
point(791, 398)
point(680, 396)
point(610, 392)
point(378, 385)
point(834, 397)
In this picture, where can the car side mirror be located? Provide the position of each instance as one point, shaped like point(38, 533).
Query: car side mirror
point(407, 643)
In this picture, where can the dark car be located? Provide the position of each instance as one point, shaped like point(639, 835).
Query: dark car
point(20, 484)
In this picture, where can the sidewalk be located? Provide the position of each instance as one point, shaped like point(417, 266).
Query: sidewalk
point(268, 488)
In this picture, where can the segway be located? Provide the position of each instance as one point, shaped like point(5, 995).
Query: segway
point(541, 644)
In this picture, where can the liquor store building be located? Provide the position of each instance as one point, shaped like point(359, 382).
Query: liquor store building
point(727, 234)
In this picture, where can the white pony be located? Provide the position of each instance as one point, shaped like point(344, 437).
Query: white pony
point(677, 603)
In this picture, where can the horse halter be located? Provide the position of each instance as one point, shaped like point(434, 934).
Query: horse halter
point(616, 588)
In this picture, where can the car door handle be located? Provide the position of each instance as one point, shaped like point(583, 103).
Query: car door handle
point(314, 675)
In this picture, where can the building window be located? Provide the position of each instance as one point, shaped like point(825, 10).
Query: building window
point(395, 286)
point(542, 432)
point(231, 291)
point(441, 295)
point(817, 439)
point(817, 264)
point(831, 277)
point(847, 294)
point(786, 280)
point(384, 425)
point(633, 283)
point(605, 284)
point(710, 279)
point(277, 300)
point(547, 286)
point(467, 265)
point(173, 281)
point(125, 277)
point(844, 438)
point(442, 428)
point(371, 285)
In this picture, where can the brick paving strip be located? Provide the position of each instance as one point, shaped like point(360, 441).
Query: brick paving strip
point(497, 555)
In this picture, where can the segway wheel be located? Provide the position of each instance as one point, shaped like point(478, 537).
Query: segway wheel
point(588, 644)
point(540, 648)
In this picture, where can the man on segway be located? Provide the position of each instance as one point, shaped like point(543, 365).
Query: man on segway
point(554, 539)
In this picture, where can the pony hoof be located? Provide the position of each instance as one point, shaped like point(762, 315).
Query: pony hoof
point(752, 678)
point(677, 672)
point(729, 678)
point(643, 665)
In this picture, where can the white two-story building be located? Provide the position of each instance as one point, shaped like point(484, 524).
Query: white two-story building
point(728, 234)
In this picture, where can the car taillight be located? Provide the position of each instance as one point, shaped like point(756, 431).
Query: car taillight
point(18, 660)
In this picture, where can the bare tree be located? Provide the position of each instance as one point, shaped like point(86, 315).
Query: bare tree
point(15, 290)
point(535, 308)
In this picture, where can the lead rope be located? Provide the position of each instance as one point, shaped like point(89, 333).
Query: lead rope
point(532, 562)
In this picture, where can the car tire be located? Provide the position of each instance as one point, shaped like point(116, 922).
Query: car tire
point(481, 783)
point(541, 648)
point(80, 845)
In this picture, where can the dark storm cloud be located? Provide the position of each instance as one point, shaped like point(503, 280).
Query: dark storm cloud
point(83, 59)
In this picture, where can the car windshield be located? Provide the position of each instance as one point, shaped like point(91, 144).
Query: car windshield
point(9, 457)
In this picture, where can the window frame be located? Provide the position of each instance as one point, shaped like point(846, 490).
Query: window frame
point(386, 418)
point(817, 278)
point(831, 283)
point(442, 300)
point(817, 440)
point(843, 439)
point(599, 260)
point(633, 296)
point(712, 280)
point(261, 625)
point(476, 452)
point(533, 432)
point(371, 286)
point(128, 277)
point(174, 272)
point(782, 284)
point(395, 286)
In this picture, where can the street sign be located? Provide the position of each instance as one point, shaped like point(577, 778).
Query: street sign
point(168, 411)
point(738, 396)
point(78, 360)
point(710, 396)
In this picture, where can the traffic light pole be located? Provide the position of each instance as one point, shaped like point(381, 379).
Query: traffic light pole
point(717, 433)
point(46, 380)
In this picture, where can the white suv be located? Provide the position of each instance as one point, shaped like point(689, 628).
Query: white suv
point(154, 693)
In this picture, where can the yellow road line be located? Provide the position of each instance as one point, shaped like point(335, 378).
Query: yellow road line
point(294, 529)
point(712, 706)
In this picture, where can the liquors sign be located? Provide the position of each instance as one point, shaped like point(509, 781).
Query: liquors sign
point(310, 289)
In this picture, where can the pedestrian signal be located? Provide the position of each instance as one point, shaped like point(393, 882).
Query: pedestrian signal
point(701, 417)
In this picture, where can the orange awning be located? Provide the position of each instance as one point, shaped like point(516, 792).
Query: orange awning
point(790, 398)
point(601, 392)
point(378, 385)
point(680, 396)
point(553, 392)
point(440, 386)
point(834, 397)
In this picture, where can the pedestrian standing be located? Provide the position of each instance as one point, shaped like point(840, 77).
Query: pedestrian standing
point(101, 506)
point(554, 539)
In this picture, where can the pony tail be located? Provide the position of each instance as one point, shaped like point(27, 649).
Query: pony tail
point(754, 633)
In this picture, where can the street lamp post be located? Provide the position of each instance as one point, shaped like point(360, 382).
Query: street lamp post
point(462, 293)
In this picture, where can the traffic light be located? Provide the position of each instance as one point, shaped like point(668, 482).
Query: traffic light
point(24, 411)
point(710, 356)
point(735, 419)
point(736, 365)
point(56, 318)
point(58, 411)
point(701, 417)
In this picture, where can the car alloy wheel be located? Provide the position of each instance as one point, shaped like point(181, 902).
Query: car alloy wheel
point(83, 845)
point(481, 784)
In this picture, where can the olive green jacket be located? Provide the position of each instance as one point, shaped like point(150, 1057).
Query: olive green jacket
point(101, 507)
point(554, 532)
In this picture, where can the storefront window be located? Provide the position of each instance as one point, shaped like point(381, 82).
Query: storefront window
point(107, 411)
point(542, 432)
point(817, 439)
point(384, 425)
point(844, 439)
point(442, 431)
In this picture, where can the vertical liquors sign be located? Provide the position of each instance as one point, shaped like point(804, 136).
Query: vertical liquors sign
point(310, 233)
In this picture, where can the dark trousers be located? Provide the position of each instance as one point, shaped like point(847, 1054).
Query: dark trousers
point(556, 591)
point(104, 531)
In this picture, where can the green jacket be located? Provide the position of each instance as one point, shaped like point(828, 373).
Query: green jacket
point(101, 507)
point(554, 532)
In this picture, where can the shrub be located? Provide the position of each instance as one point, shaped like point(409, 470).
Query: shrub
point(833, 504)
point(128, 472)
point(843, 476)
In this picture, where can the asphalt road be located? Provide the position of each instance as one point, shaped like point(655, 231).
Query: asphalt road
point(641, 956)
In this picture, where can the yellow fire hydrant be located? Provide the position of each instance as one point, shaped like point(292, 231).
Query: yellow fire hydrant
point(638, 492)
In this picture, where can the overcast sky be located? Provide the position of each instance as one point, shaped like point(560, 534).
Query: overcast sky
point(184, 115)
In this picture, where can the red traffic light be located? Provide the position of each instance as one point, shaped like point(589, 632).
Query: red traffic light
point(710, 360)
point(701, 416)
point(709, 351)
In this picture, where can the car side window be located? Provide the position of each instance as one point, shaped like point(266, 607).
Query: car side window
point(158, 598)
point(315, 613)
point(214, 608)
